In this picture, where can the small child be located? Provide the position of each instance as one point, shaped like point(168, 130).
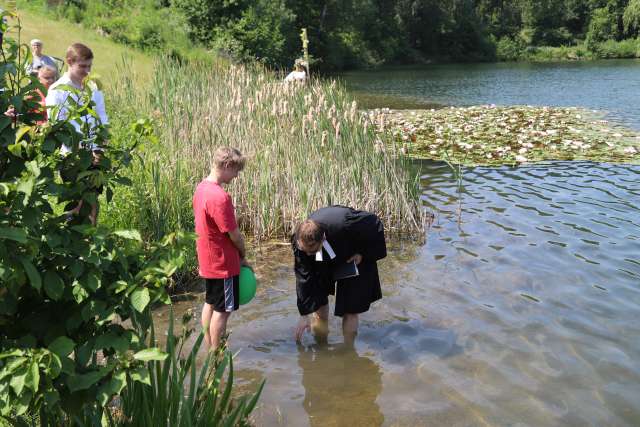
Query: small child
point(220, 245)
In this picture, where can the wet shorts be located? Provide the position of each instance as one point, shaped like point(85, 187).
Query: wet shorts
point(223, 294)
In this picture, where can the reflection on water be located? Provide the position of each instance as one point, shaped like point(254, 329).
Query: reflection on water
point(521, 309)
point(340, 386)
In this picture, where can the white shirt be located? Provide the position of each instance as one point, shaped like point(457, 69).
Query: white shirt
point(57, 97)
point(296, 76)
point(327, 247)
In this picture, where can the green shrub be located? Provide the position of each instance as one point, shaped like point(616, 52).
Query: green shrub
point(509, 49)
point(629, 48)
point(602, 27)
point(66, 286)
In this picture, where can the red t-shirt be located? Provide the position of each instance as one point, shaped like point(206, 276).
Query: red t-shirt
point(218, 258)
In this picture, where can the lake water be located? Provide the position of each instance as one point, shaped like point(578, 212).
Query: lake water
point(521, 309)
point(611, 86)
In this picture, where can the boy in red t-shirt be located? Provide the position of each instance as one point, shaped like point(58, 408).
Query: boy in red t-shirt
point(220, 245)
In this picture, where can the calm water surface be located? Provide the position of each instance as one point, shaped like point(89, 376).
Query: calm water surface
point(611, 86)
point(521, 309)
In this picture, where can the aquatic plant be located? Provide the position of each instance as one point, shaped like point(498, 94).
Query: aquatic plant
point(176, 392)
point(491, 135)
point(308, 146)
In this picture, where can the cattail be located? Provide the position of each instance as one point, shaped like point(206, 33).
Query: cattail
point(354, 110)
point(381, 123)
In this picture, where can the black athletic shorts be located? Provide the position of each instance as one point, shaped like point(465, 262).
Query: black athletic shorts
point(223, 294)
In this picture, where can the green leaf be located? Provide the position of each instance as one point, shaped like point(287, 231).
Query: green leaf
point(112, 340)
point(53, 240)
point(93, 281)
point(115, 386)
point(26, 186)
point(129, 234)
point(141, 375)
point(84, 381)
point(32, 273)
point(118, 286)
point(33, 377)
point(18, 380)
point(11, 233)
point(22, 132)
point(51, 397)
point(79, 293)
point(140, 299)
point(147, 354)
point(53, 285)
point(22, 405)
point(62, 346)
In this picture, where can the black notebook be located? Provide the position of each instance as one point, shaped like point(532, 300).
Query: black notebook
point(344, 270)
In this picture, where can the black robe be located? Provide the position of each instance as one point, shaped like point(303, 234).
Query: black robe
point(348, 231)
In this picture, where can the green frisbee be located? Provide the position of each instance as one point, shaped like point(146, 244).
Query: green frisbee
point(247, 285)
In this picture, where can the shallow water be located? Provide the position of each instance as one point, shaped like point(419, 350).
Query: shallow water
point(521, 309)
point(610, 86)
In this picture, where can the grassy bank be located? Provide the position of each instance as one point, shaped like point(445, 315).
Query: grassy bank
point(308, 146)
point(490, 135)
point(58, 35)
point(610, 49)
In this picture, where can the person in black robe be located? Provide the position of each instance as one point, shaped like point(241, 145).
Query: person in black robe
point(322, 246)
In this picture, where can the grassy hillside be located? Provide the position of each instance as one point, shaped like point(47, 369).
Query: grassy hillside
point(58, 35)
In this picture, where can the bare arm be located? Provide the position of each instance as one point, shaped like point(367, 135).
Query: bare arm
point(238, 242)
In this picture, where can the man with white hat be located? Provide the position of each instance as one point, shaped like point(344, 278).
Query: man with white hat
point(38, 58)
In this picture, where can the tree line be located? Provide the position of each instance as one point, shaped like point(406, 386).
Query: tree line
point(348, 34)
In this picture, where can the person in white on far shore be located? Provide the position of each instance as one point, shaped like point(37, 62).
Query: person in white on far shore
point(298, 74)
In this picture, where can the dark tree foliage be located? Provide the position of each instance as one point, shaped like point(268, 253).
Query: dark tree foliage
point(361, 33)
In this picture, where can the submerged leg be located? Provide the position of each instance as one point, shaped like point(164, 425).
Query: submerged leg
point(320, 324)
point(350, 328)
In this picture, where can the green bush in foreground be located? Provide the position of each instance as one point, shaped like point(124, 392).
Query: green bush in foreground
point(66, 285)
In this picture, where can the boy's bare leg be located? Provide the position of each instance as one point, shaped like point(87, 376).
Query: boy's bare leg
point(207, 312)
point(320, 324)
point(350, 328)
point(218, 328)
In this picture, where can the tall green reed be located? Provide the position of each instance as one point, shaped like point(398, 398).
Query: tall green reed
point(308, 146)
point(178, 392)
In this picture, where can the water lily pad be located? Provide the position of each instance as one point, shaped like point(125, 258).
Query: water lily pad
point(492, 135)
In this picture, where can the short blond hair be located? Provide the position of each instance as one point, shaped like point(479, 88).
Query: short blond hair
point(228, 157)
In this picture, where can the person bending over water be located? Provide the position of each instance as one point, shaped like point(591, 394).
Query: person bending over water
point(322, 245)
